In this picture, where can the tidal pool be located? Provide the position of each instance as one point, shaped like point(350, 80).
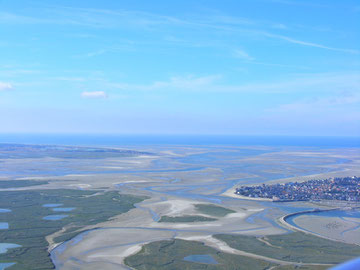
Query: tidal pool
point(5, 265)
point(3, 249)
point(55, 217)
point(5, 246)
point(52, 205)
point(63, 209)
point(208, 259)
point(4, 225)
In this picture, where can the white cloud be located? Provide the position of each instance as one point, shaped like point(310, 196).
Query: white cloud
point(242, 55)
point(94, 94)
point(5, 86)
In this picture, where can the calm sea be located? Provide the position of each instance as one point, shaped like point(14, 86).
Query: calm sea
point(132, 140)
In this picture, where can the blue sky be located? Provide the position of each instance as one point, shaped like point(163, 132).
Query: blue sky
point(263, 67)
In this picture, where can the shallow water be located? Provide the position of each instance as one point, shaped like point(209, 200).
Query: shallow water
point(4, 225)
point(55, 217)
point(5, 246)
point(208, 259)
point(138, 140)
point(63, 209)
point(5, 265)
point(334, 213)
point(52, 204)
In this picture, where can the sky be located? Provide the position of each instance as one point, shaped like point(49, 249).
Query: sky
point(247, 67)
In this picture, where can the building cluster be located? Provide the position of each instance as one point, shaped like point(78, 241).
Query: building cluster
point(345, 189)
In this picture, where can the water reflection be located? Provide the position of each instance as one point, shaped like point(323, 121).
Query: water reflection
point(208, 259)
point(4, 225)
point(63, 209)
point(52, 205)
point(55, 217)
point(5, 265)
point(5, 246)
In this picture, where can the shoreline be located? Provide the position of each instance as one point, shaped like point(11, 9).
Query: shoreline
point(230, 193)
point(282, 221)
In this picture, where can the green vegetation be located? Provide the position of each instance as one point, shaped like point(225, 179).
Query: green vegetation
point(170, 255)
point(213, 210)
point(295, 247)
point(20, 183)
point(28, 229)
point(185, 219)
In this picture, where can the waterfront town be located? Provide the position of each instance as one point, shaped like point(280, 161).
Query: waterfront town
point(344, 189)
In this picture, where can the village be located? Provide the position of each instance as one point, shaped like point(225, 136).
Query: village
point(344, 189)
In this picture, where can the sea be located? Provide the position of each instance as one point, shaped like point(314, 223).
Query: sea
point(138, 140)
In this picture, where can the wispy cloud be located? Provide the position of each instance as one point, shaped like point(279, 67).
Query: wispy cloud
point(14, 72)
point(95, 53)
point(311, 44)
point(310, 83)
point(94, 94)
point(70, 79)
point(279, 26)
point(104, 18)
point(298, 3)
point(5, 86)
point(341, 108)
point(238, 53)
point(319, 104)
point(278, 65)
point(180, 82)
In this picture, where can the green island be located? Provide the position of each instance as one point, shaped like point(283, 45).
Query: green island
point(28, 228)
point(170, 254)
point(213, 210)
point(185, 219)
point(20, 183)
point(294, 247)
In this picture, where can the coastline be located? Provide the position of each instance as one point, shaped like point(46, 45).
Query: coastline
point(282, 221)
point(231, 193)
